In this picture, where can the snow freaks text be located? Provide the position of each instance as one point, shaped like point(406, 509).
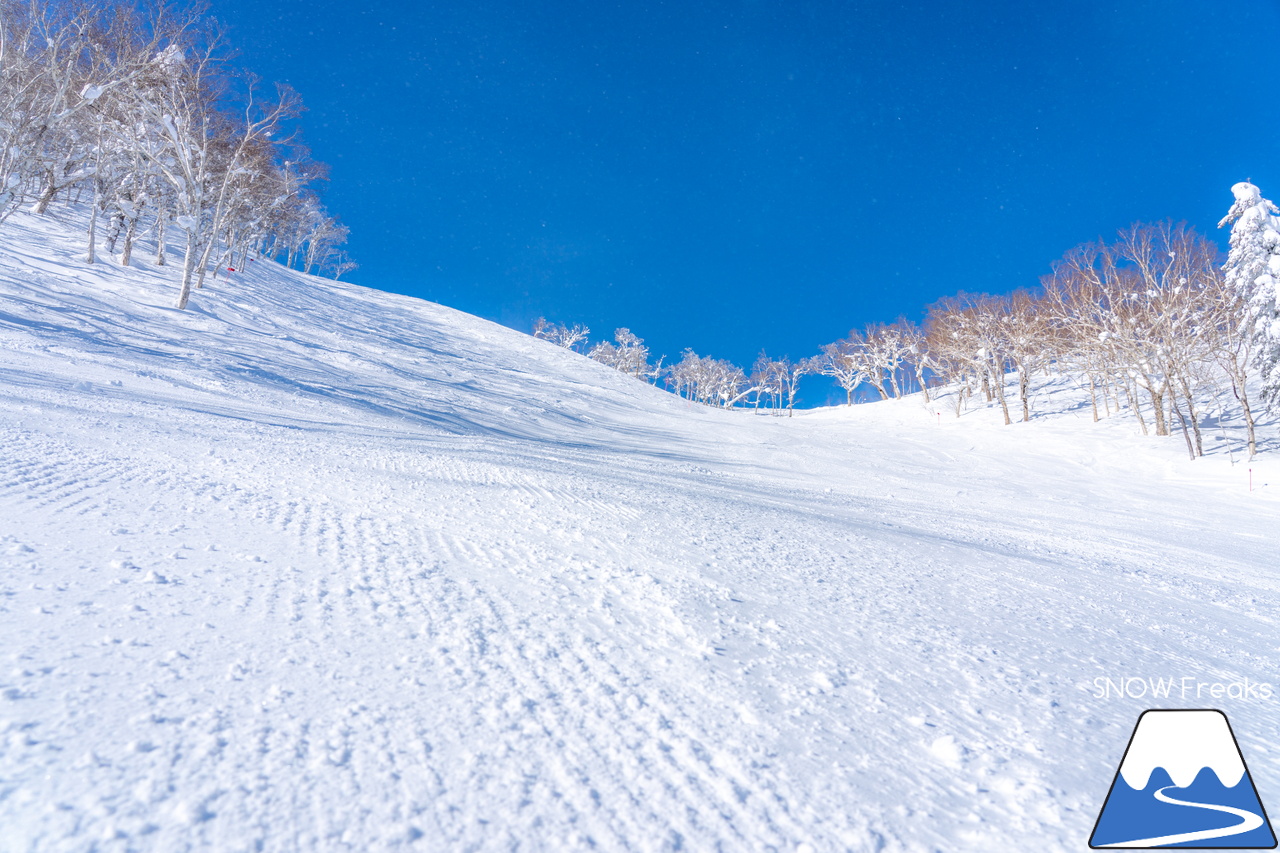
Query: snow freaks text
point(1186, 687)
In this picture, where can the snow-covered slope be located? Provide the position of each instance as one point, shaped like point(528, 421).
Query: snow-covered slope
point(317, 567)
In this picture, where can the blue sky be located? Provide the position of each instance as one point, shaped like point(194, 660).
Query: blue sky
point(750, 175)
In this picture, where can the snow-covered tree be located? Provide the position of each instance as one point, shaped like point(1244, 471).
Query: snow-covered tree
point(65, 66)
point(134, 108)
point(1252, 270)
point(918, 354)
point(778, 380)
point(1074, 303)
point(569, 337)
point(842, 362)
point(1028, 341)
point(767, 381)
point(887, 350)
point(969, 336)
point(628, 354)
point(712, 381)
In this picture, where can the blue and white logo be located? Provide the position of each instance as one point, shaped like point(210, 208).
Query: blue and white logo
point(1183, 783)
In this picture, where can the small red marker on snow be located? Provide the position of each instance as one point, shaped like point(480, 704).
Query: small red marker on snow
point(231, 269)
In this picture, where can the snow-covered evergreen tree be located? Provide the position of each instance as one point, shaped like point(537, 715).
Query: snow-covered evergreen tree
point(1252, 269)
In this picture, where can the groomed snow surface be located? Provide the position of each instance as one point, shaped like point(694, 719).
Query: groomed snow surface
point(315, 567)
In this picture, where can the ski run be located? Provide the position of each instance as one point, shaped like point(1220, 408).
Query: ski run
point(310, 566)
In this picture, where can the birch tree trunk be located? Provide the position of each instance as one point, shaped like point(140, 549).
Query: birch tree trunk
point(188, 269)
point(160, 238)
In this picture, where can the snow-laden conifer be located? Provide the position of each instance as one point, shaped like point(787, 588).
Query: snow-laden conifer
point(1252, 268)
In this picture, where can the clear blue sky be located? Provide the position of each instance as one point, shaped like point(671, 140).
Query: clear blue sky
point(735, 176)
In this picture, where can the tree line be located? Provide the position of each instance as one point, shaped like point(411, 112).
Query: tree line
point(1153, 323)
point(137, 111)
point(772, 384)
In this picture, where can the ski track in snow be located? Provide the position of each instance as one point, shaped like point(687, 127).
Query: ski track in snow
point(314, 567)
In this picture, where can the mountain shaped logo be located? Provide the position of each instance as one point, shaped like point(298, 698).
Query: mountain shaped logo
point(1183, 783)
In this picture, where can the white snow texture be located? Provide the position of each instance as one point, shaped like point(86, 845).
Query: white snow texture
point(315, 567)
